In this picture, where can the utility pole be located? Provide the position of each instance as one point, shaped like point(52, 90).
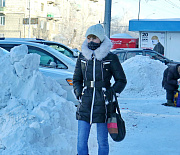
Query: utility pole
point(107, 17)
point(139, 9)
point(29, 32)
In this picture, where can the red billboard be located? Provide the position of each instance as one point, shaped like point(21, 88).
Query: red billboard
point(124, 42)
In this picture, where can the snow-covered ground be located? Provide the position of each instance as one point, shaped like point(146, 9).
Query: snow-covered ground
point(152, 129)
point(36, 119)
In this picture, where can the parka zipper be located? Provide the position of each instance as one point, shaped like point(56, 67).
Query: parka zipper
point(102, 70)
point(86, 70)
point(93, 98)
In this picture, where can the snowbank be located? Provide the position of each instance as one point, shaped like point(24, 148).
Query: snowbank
point(35, 118)
point(144, 77)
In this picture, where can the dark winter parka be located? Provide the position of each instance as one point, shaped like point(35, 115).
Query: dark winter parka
point(170, 77)
point(98, 67)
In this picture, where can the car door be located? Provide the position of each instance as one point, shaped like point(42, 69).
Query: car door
point(47, 59)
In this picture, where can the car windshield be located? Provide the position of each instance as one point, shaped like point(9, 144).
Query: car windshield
point(133, 53)
point(156, 56)
point(62, 50)
point(121, 56)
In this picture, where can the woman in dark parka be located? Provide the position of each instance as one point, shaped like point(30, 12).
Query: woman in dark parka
point(95, 67)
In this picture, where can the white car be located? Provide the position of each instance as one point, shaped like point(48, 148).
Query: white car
point(52, 63)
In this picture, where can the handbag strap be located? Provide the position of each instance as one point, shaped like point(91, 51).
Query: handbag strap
point(116, 103)
point(117, 107)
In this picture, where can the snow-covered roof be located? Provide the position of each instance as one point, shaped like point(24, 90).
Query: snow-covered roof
point(170, 24)
point(121, 35)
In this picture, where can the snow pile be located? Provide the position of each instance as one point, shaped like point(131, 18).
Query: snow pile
point(35, 118)
point(144, 77)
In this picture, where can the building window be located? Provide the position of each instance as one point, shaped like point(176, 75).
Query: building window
point(42, 6)
point(2, 20)
point(2, 3)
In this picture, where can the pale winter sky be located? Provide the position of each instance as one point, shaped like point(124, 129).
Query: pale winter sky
point(151, 9)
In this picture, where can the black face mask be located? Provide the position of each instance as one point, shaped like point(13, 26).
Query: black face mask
point(93, 45)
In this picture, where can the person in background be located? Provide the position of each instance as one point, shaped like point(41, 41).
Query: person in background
point(95, 67)
point(170, 83)
point(158, 47)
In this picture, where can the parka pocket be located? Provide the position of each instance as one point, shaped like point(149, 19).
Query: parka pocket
point(83, 64)
point(106, 68)
point(106, 65)
point(84, 67)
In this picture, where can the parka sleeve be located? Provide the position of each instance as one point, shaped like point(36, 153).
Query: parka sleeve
point(118, 74)
point(170, 78)
point(78, 79)
point(164, 81)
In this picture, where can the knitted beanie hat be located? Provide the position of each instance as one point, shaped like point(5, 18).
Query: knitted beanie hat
point(96, 30)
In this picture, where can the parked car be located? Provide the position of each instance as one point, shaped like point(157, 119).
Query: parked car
point(52, 63)
point(57, 46)
point(126, 53)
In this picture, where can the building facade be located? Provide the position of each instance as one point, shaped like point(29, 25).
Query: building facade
point(63, 21)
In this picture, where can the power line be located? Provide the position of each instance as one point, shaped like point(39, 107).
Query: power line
point(162, 8)
point(159, 8)
point(173, 4)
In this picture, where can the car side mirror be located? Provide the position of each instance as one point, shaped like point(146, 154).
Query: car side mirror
point(75, 52)
point(53, 64)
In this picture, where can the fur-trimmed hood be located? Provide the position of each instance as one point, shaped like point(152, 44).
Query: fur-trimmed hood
point(100, 53)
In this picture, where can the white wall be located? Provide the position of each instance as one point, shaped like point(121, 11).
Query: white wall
point(173, 46)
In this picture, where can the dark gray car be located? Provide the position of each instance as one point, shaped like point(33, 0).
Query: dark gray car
point(124, 54)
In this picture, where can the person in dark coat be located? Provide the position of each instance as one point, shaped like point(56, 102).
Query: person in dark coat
point(95, 67)
point(170, 83)
point(159, 48)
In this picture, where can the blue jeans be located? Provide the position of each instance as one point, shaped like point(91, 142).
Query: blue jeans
point(83, 135)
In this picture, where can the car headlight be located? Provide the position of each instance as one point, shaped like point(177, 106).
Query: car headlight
point(69, 81)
